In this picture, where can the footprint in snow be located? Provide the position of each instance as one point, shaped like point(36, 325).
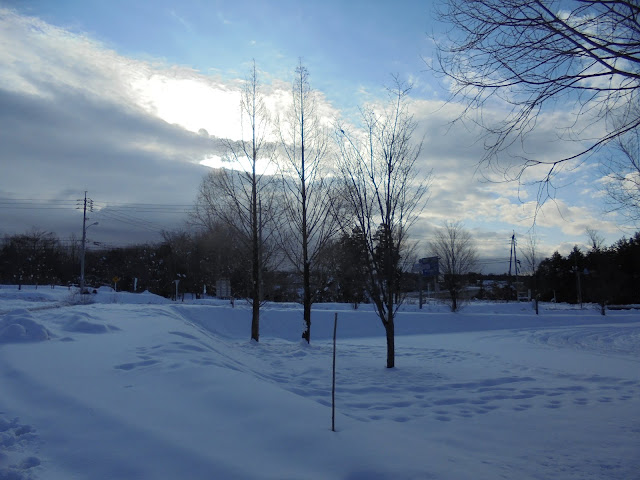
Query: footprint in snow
point(443, 418)
point(132, 365)
point(184, 335)
point(16, 443)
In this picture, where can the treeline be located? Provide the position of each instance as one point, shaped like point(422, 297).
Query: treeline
point(600, 274)
point(604, 275)
point(609, 275)
point(197, 259)
point(38, 257)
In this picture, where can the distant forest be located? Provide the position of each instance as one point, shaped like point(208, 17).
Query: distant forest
point(605, 275)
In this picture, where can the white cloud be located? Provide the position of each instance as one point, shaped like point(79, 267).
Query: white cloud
point(38, 57)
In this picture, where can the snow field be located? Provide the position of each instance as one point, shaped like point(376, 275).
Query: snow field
point(155, 390)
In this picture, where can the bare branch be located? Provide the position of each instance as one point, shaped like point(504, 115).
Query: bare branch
point(457, 256)
point(383, 196)
point(582, 56)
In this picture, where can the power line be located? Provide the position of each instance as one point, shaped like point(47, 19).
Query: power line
point(130, 220)
point(72, 203)
point(122, 212)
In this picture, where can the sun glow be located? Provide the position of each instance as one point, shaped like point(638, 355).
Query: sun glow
point(192, 101)
point(263, 166)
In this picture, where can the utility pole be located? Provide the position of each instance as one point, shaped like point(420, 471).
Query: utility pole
point(87, 204)
point(511, 258)
point(515, 257)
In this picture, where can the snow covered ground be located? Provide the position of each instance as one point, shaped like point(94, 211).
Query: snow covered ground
point(133, 386)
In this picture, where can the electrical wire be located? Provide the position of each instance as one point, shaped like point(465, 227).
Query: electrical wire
point(126, 213)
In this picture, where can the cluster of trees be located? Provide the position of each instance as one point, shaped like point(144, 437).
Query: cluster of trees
point(601, 274)
point(198, 259)
point(323, 190)
point(604, 275)
point(41, 258)
point(37, 257)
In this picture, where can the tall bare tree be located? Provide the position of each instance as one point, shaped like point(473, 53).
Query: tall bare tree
point(530, 252)
point(241, 196)
point(596, 241)
point(532, 56)
point(601, 274)
point(384, 195)
point(457, 256)
point(307, 185)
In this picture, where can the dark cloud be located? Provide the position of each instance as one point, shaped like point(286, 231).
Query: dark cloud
point(57, 144)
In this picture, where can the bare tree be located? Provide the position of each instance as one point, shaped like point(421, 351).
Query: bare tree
point(307, 185)
point(457, 256)
point(600, 275)
point(596, 241)
point(623, 172)
point(531, 255)
point(241, 196)
point(384, 196)
point(534, 55)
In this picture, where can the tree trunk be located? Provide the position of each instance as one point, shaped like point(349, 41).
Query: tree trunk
point(255, 319)
point(390, 331)
point(306, 269)
point(255, 251)
point(307, 302)
point(391, 348)
point(306, 273)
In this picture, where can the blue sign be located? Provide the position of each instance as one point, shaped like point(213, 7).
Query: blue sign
point(429, 266)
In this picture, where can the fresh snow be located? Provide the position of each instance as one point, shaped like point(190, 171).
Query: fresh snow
point(133, 386)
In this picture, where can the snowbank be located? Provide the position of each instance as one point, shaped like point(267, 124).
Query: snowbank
point(20, 326)
point(109, 295)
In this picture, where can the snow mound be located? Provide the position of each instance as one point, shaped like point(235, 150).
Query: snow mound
point(109, 295)
point(19, 326)
point(30, 297)
point(27, 296)
point(81, 323)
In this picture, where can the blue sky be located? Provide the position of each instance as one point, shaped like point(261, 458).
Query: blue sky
point(347, 45)
point(109, 97)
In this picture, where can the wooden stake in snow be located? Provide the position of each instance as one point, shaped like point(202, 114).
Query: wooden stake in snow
point(333, 386)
